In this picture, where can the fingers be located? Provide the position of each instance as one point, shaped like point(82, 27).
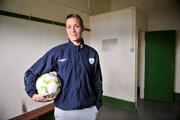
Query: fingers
point(39, 97)
point(48, 98)
point(42, 97)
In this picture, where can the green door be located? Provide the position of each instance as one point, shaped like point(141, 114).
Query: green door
point(159, 65)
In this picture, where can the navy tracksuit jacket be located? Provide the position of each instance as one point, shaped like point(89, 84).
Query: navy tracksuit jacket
point(79, 71)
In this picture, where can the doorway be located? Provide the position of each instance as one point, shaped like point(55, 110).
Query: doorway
point(159, 65)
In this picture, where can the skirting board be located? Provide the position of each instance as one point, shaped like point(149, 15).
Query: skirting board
point(118, 102)
point(177, 96)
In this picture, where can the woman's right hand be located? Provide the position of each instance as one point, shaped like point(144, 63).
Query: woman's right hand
point(41, 98)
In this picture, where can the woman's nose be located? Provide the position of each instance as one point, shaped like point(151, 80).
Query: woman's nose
point(73, 29)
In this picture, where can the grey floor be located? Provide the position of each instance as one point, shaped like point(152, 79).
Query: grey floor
point(146, 110)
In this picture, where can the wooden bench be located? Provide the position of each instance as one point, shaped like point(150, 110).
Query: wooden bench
point(35, 113)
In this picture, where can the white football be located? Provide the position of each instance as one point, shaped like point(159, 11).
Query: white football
point(49, 83)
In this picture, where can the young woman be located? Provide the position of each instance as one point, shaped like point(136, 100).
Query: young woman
point(78, 67)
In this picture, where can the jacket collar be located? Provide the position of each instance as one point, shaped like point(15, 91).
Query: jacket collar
point(77, 47)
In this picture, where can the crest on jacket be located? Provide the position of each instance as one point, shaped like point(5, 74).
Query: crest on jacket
point(91, 60)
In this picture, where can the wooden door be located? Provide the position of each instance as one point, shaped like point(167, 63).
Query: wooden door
point(159, 65)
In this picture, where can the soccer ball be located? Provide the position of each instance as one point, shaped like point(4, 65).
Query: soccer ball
point(48, 83)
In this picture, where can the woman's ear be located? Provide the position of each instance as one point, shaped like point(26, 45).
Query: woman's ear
point(82, 29)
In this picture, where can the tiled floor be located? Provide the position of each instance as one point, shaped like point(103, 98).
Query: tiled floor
point(147, 110)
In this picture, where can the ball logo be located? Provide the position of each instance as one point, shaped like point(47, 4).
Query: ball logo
point(91, 60)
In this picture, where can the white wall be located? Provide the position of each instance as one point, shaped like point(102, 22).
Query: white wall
point(162, 15)
point(118, 63)
point(100, 6)
point(22, 42)
point(165, 16)
point(47, 9)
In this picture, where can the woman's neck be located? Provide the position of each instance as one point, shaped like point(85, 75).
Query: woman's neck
point(76, 43)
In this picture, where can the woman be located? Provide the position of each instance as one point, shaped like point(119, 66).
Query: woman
point(78, 67)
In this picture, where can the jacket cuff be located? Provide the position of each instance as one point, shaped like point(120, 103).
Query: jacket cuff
point(98, 105)
point(32, 92)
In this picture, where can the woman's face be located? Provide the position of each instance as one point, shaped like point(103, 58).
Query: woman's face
point(74, 29)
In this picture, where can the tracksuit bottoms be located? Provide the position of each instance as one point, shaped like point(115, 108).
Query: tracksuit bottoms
point(82, 114)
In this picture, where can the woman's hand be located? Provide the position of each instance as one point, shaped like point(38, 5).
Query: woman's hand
point(42, 98)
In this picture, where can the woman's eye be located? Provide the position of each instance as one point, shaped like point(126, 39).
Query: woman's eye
point(77, 26)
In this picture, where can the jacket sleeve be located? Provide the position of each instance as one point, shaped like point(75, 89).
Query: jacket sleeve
point(43, 65)
point(98, 83)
